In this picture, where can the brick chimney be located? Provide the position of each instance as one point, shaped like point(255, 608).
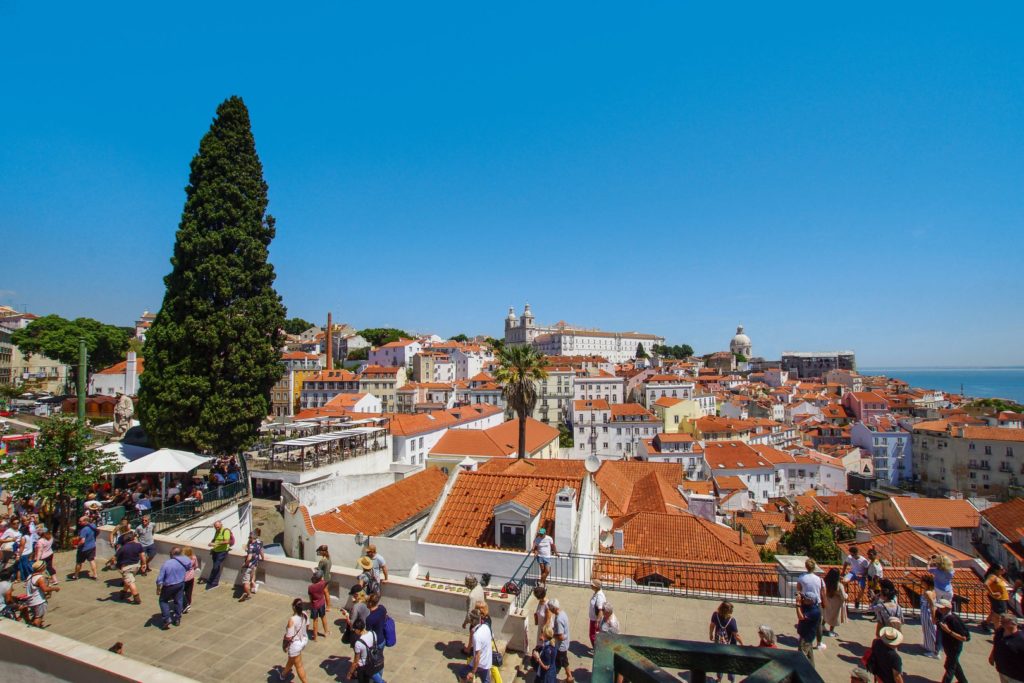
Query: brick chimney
point(327, 339)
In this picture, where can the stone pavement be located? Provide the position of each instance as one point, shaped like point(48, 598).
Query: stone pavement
point(661, 616)
point(224, 640)
point(221, 639)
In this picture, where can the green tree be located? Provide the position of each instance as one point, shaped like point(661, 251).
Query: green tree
point(359, 354)
point(378, 336)
point(460, 338)
point(817, 535)
point(519, 370)
point(57, 338)
point(740, 358)
point(58, 471)
point(641, 352)
point(496, 344)
point(677, 352)
point(212, 353)
point(296, 325)
point(564, 436)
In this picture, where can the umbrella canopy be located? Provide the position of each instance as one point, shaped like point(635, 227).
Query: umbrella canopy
point(125, 452)
point(165, 460)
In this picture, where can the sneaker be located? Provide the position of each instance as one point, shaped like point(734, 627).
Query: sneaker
point(244, 598)
point(187, 608)
point(822, 647)
point(256, 587)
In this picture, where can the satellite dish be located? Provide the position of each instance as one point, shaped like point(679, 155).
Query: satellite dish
point(592, 463)
point(606, 523)
point(606, 539)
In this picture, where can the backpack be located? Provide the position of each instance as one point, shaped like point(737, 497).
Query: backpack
point(374, 657)
point(722, 630)
point(390, 637)
point(372, 584)
point(510, 588)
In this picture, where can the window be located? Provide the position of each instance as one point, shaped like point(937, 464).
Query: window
point(988, 450)
point(1009, 451)
point(512, 536)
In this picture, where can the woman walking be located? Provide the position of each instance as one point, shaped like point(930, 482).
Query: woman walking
point(998, 595)
point(44, 552)
point(724, 630)
point(324, 565)
point(190, 576)
point(928, 631)
point(833, 603)
point(295, 639)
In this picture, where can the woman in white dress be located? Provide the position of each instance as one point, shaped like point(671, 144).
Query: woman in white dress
point(295, 639)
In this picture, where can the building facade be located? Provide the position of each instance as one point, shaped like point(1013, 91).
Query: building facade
point(563, 339)
point(812, 364)
point(972, 460)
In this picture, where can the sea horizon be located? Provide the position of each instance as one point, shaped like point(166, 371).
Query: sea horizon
point(1005, 382)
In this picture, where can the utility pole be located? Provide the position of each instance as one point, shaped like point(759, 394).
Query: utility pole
point(82, 360)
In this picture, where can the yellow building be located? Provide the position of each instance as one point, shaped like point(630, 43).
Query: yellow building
point(674, 413)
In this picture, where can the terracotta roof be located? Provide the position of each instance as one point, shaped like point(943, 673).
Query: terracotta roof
point(467, 517)
point(729, 482)
point(618, 481)
point(715, 425)
point(385, 508)
point(773, 455)
point(404, 424)
point(298, 355)
point(631, 409)
point(398, 344)
point(993, 433)
point(499, 441)
point(599, 404)
point(898, 547)
point(530, 497)
point(704, 488)
point(732, 455)
point(667, 401)
point(332, 376)
point(683, 537)
point(380, 370)
point(122, 367)
point(680, 437)
point(345, 401)
point(940, 513)
point(1007, 518)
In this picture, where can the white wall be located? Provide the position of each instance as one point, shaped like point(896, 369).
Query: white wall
point(338, 489)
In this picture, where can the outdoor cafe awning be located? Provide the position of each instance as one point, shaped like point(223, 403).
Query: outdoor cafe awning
point(165, 460)
point(325, 438)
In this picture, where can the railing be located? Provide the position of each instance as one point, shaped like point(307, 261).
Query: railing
point(755, 583)
point(521, 577)
point(179, 513)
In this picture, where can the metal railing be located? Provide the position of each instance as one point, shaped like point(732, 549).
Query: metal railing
point(175, 515)
point(301, 458)
point(754, 583)
point(523, 581)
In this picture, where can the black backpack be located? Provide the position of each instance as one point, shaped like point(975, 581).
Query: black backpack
point(374, 658)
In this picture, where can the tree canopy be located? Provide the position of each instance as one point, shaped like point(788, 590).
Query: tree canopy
point(59, 470)
point(678, 352)
point(817, 535)
point(296, 325)
point(57, 338)
point(378, 336)
point(519, 370)
point(212, 354)
point(641, 352)
point(460, 338)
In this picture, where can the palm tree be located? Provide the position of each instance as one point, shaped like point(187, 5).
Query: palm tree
point(519, 369)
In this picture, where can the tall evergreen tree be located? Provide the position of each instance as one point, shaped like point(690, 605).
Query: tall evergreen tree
point(212, 353)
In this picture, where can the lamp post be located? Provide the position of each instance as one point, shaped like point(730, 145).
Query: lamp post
point(82, 360)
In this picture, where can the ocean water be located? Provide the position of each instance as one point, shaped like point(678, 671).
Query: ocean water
point(1005, 382)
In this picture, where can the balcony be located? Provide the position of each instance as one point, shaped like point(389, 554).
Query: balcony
point(983, 466)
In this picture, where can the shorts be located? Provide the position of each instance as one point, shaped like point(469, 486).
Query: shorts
point(38, 611)
point(998, 606)
point(562, 659)
point(150, 550)
point(248, 574)
point(83, 556)
point(546, 561)
point(317, 612)
point(128, 574)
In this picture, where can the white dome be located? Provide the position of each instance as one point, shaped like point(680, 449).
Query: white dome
point(740, 338)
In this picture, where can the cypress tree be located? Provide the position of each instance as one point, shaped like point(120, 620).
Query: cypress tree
point(212, 354)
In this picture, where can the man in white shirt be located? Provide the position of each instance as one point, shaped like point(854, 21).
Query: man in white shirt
point(482, 652)
point(544, 549)
point(855, 572)
point(596, 610)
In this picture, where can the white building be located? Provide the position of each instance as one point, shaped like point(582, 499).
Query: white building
point(563, 339)
point(670, 386)
point(395, 354)
point(590, 386)
point(414, 435)
point(119, 378)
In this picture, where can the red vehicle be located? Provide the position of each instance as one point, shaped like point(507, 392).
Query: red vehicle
point(6, 413)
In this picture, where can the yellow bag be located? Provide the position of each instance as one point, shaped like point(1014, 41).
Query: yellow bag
point(495, 675)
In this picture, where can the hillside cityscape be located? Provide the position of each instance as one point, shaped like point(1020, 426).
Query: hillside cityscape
point(605, 345)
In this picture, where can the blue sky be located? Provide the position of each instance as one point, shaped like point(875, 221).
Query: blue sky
point(831, 179)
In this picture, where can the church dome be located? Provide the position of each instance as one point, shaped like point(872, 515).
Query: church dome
point(740, 339)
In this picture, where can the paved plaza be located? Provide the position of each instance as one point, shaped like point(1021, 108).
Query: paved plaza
point(224, 640)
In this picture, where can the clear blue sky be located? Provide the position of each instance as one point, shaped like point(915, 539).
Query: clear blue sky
point(831, 179)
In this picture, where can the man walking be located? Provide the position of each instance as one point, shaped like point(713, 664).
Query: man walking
point(380, 567)
point(596, 610)
point(544, 549)
point(1008, 651)
point(219, 547)
point(170, 586)
point(86, 548)
point(129, 562)
point(482, 651)
point(144, 535)
point(561, 629)
point(953, 634)
point(253, 557)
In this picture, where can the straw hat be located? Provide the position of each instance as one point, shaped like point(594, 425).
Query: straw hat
point(890, 636)
point(366, 563)
point(93, 504)
point(38, 565)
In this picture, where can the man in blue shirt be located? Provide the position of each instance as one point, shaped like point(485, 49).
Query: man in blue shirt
point(170, 586)
point(86, 547)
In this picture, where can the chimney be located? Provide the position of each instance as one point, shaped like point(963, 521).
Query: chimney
point(327, 339)
point(131, 376)
point(565, 518)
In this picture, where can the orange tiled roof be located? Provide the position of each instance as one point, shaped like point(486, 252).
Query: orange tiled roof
point(122, 367)
point(618, 480)
point(1007, 518)
point(940, 513)
point(994, 433)
point(683, 537)
point(499, 441)
point(380, 371)
point(898, 547)
point(732, 455)
point(667, 401)
point(467, 517)
point(385, 508)
point(598, 404)
point(729, 482)
point(631, 409)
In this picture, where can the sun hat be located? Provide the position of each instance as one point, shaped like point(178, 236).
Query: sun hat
point(595, 583)
point(38, 565)
point(890, 636)
point(365, 562)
